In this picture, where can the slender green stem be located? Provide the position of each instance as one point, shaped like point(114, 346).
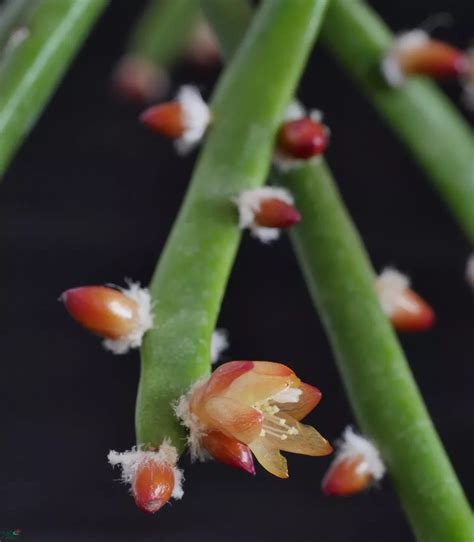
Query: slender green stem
point(193, 270)
point(381, 388)
point(231, 18)
point(33, 69)
point(422, 117)
point(163, 29)
point(386, 401)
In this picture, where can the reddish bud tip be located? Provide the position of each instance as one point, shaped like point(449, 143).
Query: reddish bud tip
point(104, 311)
point(412, 313)
point(229, 451)
point(433, 58)
point(276, 213)
point(139, 80)
point(302, 138)
point(165, 119)
point(152, 485)
point(346, 477)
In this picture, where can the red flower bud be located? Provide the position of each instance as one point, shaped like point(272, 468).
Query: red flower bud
point(302, 138)
point(228, 451)
point(276, 213)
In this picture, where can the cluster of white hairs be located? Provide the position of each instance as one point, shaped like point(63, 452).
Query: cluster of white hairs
point(390, 285)
point(353, 445)
point(248, 204)
point(404, 42)
point(470, 271)
point(130, 460)
point(191, 422)
point(145, 320)
point(196, 118)
point(219, 343)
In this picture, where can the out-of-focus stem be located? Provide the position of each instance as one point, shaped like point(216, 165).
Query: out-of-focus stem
point(421, 116)
point(31, 70)
point(193, 270)
point(163, 30)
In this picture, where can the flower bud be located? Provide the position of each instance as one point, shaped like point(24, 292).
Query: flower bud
point(152, 485)
point(356, 467)
point(415, 53)
point(119, 316)
point(139, 80)
point(265, 211)
point(185, 119)
point(302, 138)
point(346, 477)
point(406, 310)
point(228, 451)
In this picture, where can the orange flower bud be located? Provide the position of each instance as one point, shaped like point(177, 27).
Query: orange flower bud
point(302, 138)
point(152, 474)
point(104, 311)
point(406, 309)
point(185, 119)
point(415, 53)
point(165, 119)
point(228, 451)
point(152, 485)
point(346, 477)
point(120, 316)
point(356, 466)
point(276, 213)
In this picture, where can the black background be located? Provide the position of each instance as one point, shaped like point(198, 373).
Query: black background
point(90, 198)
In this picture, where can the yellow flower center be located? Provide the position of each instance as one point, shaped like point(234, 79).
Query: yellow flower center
point(273, 425)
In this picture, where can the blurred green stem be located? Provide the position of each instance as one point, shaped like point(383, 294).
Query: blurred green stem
point(31, 71)
point(163, 30)
point(419, 113)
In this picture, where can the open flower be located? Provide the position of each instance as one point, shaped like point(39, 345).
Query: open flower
point(153, 476)
point(185, 119)
point(259, 404)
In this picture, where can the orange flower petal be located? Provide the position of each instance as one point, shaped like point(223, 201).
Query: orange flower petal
point(412, 313)
point(233, 418)
point(269, 457)
point(262, 382)
point(307, 401)
point(224, 375)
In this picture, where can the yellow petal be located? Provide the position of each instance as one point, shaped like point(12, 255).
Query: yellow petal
point(270, 458)
point(233, 418)
point(306, 441)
